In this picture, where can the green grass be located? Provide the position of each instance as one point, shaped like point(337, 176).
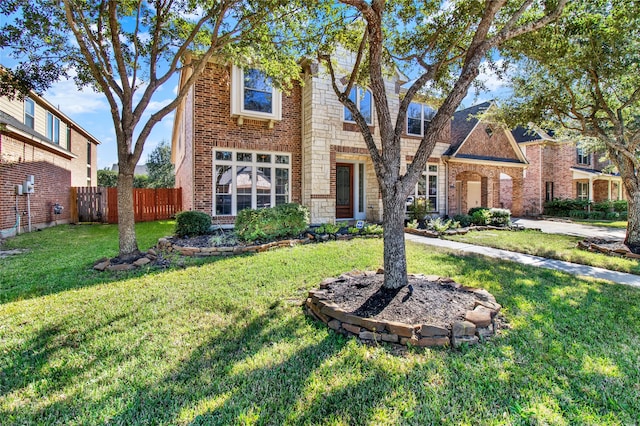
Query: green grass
point(225, 342)
point(622, 224)
point(553, 246)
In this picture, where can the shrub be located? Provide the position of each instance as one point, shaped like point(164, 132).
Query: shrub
point(563, 207)
point(612, 215)
point(603, 206)
point(353, 230)
point(439, 225)
point(373, 229)
point(283, 221)
point(192, 223)
point(578, 214)
point(419, 209)
point(596, 215)
point(463, 219)
point(620, 206)
point(480, 216)
point(472, 210)
point(412, 224)
point(500, 217)
point(328, 228)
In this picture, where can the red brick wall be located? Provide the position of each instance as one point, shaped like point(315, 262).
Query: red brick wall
point(481, 144)
point(215, 128)
point(52, 183)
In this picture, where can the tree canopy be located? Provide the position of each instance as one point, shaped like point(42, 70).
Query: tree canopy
point(161, 174)
point(445, 42)
point(581, 78)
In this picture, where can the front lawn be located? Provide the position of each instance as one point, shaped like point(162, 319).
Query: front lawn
point(224, 341)
point(553, 246)
point(621, 224)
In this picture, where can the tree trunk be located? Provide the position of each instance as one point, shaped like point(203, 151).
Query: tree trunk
point(126, 218)
point(632, 239)
point(395, 259)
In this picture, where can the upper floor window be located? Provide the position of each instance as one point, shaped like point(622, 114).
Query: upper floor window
point(362, 98)
point(583, 157)
point(418, 118)
point(53, 128)
point(254, 96)
point(29, 113)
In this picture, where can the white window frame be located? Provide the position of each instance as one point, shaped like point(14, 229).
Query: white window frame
point(237, 100)
point(53, 128)
point(422, 120)
point(32, 115)
point(254, 164)
point(359, 97)
point(426, 174)
point(584, 193)
point(582, 157)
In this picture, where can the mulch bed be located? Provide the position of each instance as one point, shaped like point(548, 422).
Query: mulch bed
point(429, 302)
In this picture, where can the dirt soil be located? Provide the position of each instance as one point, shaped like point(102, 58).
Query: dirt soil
point(430, 302)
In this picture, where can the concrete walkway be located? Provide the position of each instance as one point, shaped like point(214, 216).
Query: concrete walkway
point(527, 259)
point(572, 228)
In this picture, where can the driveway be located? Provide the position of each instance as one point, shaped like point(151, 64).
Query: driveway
point(570, 228)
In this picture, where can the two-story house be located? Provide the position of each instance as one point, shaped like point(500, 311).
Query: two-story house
point(238, 142)
point(561, 169)
point(37, 139)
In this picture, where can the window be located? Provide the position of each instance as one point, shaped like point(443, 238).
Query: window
point(548, 191)
point(88, 162)
point(29, 113)
point(582, 190)
point(583, 158)
point(427, 188)
point(362, 98)
point(53, 128)
point(253, 96)
point(69, 138)
point(250, 180)
point(418, 118)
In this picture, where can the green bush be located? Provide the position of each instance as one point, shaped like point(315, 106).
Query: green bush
point(620, 206)
point(578, 214)
point(480, 217)
point(500, 217)
point(328, 228)
point(192, 223)
point(419, 209)
point(596, 215)
point(439, 225)
point(562, 207)
point(283, 221)
point(463, 219)
point(373, 229)
point(472, 210)
point(612, 215)
point(603, 206)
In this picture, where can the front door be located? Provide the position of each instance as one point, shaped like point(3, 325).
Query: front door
point(474, 194)
point(344, 191)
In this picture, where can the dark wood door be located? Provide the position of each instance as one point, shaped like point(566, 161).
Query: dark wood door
point(344, 191)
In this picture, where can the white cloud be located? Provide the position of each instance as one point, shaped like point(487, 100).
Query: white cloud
point(490, 78)
point(65, 95)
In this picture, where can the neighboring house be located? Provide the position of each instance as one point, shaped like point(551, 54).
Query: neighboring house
point(560, 169)
point(38, 140)
point(238, 142)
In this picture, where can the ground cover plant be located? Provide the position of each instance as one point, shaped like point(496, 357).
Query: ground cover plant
point(553, 246)
point(224, 341)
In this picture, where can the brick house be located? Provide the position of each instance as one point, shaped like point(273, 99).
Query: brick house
point(38, 140)
point(560, 169)
point(238, 142)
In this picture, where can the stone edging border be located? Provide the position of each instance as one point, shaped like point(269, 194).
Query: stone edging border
point(461, 231)
point(620, 252)
point(165, 244)
point(478, 324)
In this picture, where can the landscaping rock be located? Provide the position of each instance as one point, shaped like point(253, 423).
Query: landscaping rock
point(142, 261)
point(428, 330)
point(480, 316)
point(433, 341)
point(121, 267)
point(368, 335)
point(459, 341)
point(401, 329)
point(463, 328)
point(102, 265)
point(334, 324)
point(352, 328)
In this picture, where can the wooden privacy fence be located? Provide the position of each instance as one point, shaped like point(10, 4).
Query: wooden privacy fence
point(98, 204)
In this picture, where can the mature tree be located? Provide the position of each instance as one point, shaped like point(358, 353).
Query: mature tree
point(127, 49)
point(159, 167)
point(446, 41)
point(581, 77)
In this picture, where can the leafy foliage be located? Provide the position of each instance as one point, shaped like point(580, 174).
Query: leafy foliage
point(192, 223)
point(419, 209)
point(161, 174)
point(107, 178)
point(283, 221)
point(463, 219)
point(480, 217)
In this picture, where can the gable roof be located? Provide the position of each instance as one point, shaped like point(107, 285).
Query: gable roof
point(463, 123)
point(524, 135)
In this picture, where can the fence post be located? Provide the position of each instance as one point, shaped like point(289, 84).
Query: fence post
point(73, 208)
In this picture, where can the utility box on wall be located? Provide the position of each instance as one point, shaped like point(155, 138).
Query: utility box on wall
point(18, 190)
point(27, 186)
